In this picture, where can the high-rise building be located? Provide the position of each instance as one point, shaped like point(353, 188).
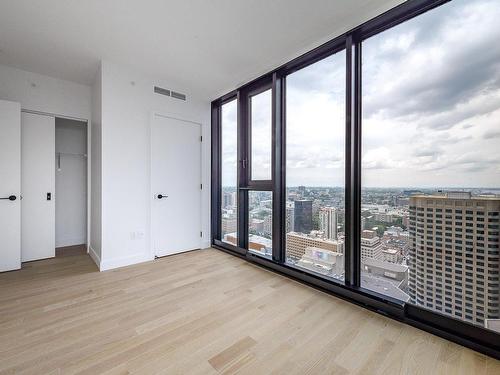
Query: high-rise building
point(229, 223)
point(454, 255)
point(406, 221)
point(268, 224)
point(290, 217)
point(328, 222)
point(371, 247)
point(391, 255)
point(363, 223)
point(303, 216)
point(228, 199)
point(296, 244)
point(256, 225)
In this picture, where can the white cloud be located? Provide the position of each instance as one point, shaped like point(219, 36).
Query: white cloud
point(431, 106)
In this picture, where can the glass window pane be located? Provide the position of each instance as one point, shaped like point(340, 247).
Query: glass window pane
point(431, 181)
point(229, 203)
point(260, 223)
point(315, 167)
point(261, 130)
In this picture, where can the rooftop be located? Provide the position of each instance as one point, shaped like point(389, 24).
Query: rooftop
point(382, 286)
point(456, 195)
point(385, 265)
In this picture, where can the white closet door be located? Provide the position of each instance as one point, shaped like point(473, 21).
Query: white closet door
point(10, 186)
point(37, 182)
point(175, 183)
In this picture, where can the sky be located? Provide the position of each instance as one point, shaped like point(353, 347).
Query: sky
point(431, 107)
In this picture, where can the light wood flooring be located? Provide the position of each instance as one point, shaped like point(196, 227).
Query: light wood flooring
point(203, 312)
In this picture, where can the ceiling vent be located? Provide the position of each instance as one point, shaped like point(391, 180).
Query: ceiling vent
point(162, 91)
point(178, 95)
point(167, 92)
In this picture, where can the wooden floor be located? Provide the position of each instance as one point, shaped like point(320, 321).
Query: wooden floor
point(203, 312)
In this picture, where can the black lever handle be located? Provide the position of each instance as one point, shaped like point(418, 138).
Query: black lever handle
point(10, 198)
point(160, 196)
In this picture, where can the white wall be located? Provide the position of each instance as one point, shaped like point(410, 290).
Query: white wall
point(96, 191)
point(46, 94)
point(71, 182)
point(128, 102)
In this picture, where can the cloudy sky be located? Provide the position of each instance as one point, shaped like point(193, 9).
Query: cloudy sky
point(431, 107)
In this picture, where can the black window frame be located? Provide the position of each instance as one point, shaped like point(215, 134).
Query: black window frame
point(475, 337)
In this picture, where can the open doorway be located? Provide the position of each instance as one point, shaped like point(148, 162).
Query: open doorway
point(70, 187)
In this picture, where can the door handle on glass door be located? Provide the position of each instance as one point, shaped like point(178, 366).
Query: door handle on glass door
point(160, 196)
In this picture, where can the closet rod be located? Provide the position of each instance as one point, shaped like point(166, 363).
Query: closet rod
point(25, 110)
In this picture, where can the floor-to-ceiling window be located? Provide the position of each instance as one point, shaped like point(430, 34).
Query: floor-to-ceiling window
point(259, 172)
point(370, 167)
point(229, 173)
point(260, 223)
point(261, 136)
point(315, 167)
point(431, 176)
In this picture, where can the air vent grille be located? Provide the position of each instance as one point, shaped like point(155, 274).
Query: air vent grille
point(178, 95)
point(167, 92)
point(162, 91)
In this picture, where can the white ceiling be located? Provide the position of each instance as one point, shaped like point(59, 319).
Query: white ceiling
point(203, 46)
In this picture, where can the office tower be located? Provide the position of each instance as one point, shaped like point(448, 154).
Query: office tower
point(268, 225)
point(256, 225)
point(371, 247)
point(391, 255)
point(406, 221)
point(303, 216)
point(328, 222)
point(454, 255)
point(383, 217)
point(227, 199)
point(296, 244)
point(290, 217)
point(229, 223)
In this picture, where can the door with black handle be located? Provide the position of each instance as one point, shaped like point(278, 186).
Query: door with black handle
point(38, 184)
point(10, 186)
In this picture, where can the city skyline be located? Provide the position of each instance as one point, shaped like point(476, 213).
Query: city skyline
point(387, 187)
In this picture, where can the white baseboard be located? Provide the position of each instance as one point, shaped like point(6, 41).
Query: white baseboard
point(109, 264)
point(95, 257)
point(63, 242)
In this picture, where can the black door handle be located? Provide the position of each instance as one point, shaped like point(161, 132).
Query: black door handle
point(160, 196)
point(10, 198)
